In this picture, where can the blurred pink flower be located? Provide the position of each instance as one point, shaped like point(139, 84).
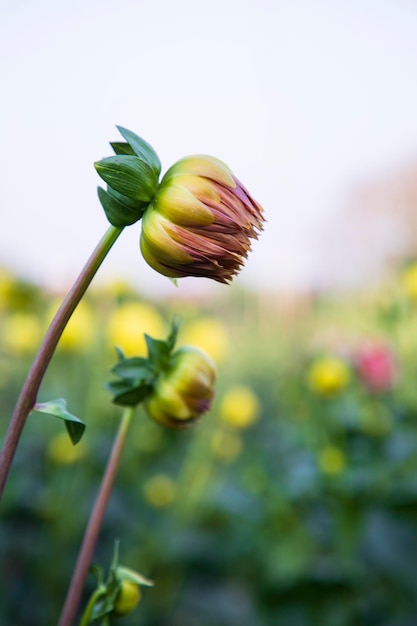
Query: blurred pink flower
point(377, 367)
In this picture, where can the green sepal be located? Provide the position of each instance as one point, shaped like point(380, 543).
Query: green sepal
point(121, 147)
point(107, 591)
point(137, 375)
point(58, 408)
point(128, 394)
point(137, 369)
point(119, 213)
point(141, 148)
point(129, 575)
point(159, 351)
point(134, 205)
point(129, 175)
point(97, 572)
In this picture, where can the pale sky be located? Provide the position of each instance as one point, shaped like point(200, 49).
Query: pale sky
point(303, 99)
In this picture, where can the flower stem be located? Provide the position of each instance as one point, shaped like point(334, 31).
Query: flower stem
point(86, 618)
point(94, 524)
point(28, 394)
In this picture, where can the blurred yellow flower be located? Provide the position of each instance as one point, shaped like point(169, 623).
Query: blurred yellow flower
point(160, 490)
point(128, 324)
point(328, 376)
point(226, 446)
point(332, 460)
point(21, 333)
point(62, 451)
point(239, 407)
point(409, 281)
point(6, 287)
point(80, 331)
point(209, 334)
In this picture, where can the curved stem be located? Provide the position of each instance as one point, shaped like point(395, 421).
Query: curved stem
point(93, 528)
point(98, 593)
point(30, 388)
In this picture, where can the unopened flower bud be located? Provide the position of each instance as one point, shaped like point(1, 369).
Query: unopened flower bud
point(185, 391)
point(200, 221)
point(127, 599)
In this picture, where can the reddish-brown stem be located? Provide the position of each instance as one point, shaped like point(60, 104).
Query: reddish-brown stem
point(28, 394)
point(85, 555)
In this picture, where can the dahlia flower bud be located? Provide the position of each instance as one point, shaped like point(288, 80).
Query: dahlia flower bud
point(200, 221)
point(185, 391)
point(127, 599)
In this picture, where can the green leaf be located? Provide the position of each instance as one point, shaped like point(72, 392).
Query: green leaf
point(120, 147)
point(135, 369)
point(117, 213)
point(58, 408)
point(97, 572)
point(119, 386)
point(125, 573)
point(134, 205)
point(129, 175)
point(160, 351)
point(172, 337)
point(133, 396)
point(141, 148)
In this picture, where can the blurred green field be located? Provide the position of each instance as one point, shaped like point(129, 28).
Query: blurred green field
point(293, 502)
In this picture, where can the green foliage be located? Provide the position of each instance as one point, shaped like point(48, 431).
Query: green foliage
point(141, 148)
point(118, 208)
point(131, 177)
point(138, 375)
point(58, 408)
point(105, 598)
point(128, 175)
point(306, 517)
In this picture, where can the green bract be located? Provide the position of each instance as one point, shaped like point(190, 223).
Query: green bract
point(131, 177)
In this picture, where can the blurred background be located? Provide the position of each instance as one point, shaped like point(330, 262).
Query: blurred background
point(295, 500)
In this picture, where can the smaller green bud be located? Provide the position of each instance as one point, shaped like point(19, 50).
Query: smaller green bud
point(127, 599)
point(184, 391)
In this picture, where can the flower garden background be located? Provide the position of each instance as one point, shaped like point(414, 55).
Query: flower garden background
point(294, 501)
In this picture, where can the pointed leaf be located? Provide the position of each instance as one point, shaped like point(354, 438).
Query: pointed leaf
point(116, 212)
point(97, 572)
point(172, 337)
point(132, 397)
point(159, 351)
point(120, 147)
point(125, 573)
point(135, 369)
point(142, 148)
point(129, 175)
point(135, 205)
point(118, 387)
point(58, 408)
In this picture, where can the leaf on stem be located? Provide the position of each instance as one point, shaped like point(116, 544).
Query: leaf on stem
point(58, 408)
